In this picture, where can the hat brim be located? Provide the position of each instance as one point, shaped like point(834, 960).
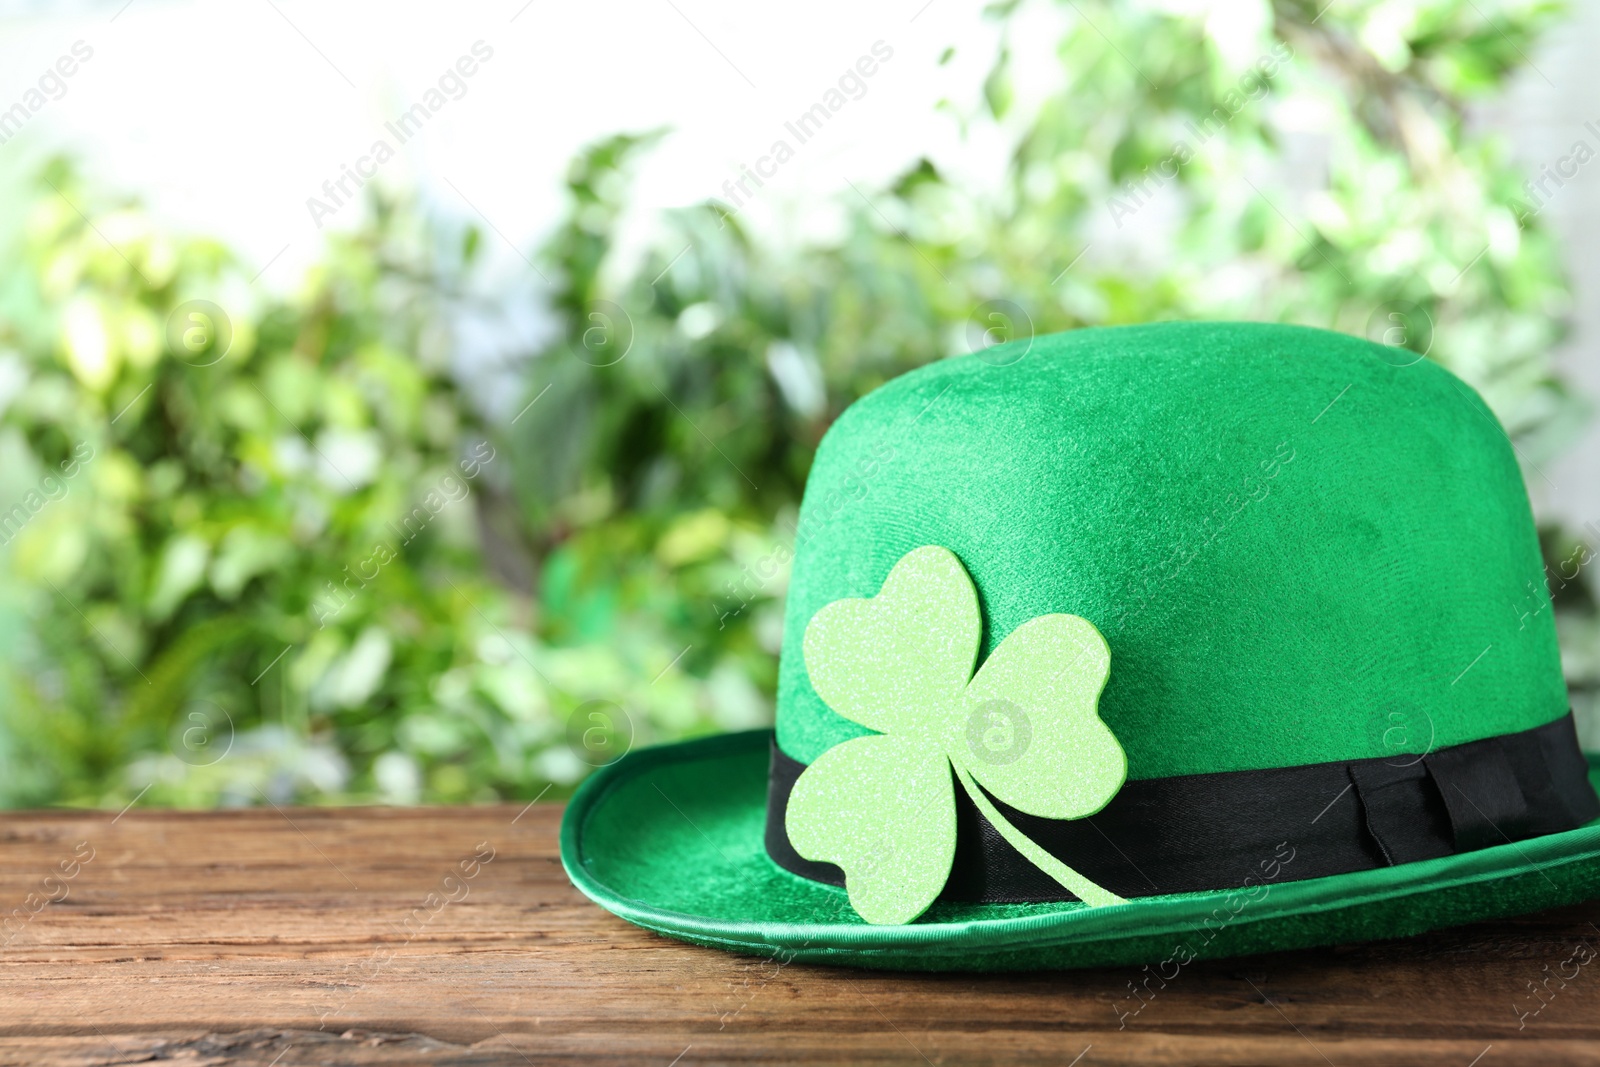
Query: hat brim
point(671, 838)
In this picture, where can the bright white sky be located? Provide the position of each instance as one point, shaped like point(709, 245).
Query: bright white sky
point(227, 117)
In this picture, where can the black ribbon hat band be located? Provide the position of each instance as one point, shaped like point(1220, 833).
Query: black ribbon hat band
point(1209, 831)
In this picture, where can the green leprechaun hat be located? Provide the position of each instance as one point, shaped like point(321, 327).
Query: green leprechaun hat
point(1132, 645)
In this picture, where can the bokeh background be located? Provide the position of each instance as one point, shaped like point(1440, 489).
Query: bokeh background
point(401, 404)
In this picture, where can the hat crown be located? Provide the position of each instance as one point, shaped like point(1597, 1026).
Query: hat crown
point(1298, 549)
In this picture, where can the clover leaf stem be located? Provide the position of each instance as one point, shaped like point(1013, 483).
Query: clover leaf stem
point(1075, 883)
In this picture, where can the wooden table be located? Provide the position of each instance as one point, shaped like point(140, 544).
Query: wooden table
point(451, 936)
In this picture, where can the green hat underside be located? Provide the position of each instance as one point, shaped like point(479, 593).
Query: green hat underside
point(671, 838)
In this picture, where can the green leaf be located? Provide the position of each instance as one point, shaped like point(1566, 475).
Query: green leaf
point(883, 810)
point(182, 567)
point(892, 662)
point(1032, 735)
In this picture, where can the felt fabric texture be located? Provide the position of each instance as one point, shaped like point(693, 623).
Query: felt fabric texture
point(693, 866)
point(881, 807)
point(1297, 551)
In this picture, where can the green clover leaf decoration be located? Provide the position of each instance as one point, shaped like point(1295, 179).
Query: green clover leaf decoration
point(882, 807)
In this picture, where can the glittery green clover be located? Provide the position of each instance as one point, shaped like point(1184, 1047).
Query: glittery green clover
point(882, 807)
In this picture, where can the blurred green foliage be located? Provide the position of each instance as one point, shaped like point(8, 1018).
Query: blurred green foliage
point(612, 570)
point(263, 577)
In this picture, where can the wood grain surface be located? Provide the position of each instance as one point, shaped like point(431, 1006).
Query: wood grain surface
point(451, 936)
